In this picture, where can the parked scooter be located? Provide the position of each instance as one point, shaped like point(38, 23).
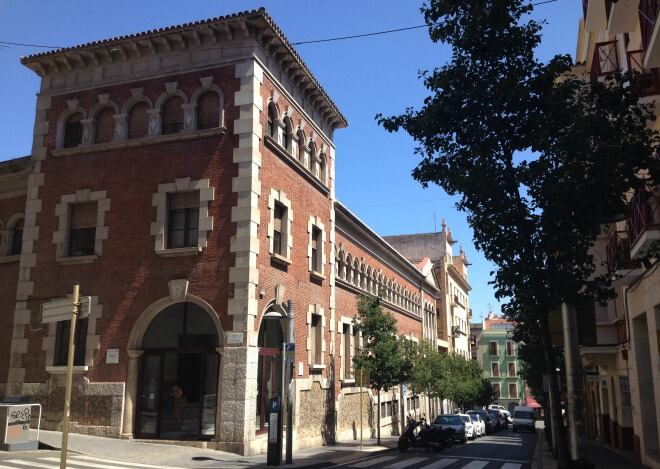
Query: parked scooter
point(418, 433)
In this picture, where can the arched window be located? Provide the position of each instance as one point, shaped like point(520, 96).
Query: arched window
point(16, 238)
point(312, 157)
point(181, 325)
point(208, 111)
point(287, 139)
point(322, 168)
point(272, 120)
point(73, 131)
point(269, 366)
point(138, 121)
point(105, 126)
point(301, 147)
point(172, 115)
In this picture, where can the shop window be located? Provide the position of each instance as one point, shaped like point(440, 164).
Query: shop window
point(16, 238)
point(183, 219)
point(172, 115)
point(138, 121)
point(73, 131)
point(82, 232)
point(62, 343)
point(105, 126)
point(208, 111)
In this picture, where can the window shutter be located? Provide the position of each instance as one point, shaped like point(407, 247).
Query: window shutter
point(105, 126)
point(138, 121)
point(181, 200)
point(83, 216)
point(172, 115)
point(208, 111)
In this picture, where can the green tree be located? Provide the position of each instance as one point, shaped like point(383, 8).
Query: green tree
point(540, 158)
point(429, 373)
point(380, 356)
point(485, 395)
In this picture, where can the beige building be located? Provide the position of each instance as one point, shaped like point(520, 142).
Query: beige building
point(622, 367)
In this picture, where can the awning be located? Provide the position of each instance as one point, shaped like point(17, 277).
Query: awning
point(531, 402)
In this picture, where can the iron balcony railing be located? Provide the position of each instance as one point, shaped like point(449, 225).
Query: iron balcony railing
point(646, 81)
point(648, 14)
point(605, 61)
point(640, 217)
point(618, 252)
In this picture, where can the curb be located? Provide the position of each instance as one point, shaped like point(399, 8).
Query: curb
point(338, 461)
point(537, 459)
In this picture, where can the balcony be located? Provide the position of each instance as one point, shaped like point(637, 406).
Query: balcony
point(648, 14)
point(605, 61)
point(647, 81)
point(643, 227)
point(456, 331)
point(619, 262)
point(622, 16)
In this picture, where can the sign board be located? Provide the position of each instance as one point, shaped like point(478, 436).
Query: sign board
point(112, 356)
point(290, 352)
point(234, 338)
point(301, 368)
point(60, 310)
point(18, 424)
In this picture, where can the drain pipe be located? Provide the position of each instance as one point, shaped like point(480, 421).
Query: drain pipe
point(291, 338)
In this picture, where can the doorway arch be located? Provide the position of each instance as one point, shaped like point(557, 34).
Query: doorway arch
point(177, 383)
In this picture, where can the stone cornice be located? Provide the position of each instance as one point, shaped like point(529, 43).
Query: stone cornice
point(200, 35)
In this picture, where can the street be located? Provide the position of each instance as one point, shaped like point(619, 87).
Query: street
point(505, 450)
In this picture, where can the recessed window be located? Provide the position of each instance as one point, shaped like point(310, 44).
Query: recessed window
point(62, 343)
point(287, 138)
point(513, 390)
point(317, 249)
point(105, 126)
point(495, 370)
point(492, 348)
point(82, 232)
point(73, 131)
point(172, 115)
point(496, 390)
point(512, 369)
point(138, 121)
point(346, 331)
point(208, 111)
point(272, 120)
point(183, 219)
point(509, 348)
point(316, 339)
point(279, 216)
point(16, 238)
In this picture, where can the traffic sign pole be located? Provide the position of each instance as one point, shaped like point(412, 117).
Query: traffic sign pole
point(69, 375)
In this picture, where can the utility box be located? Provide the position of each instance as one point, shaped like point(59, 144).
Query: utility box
point(15, 421)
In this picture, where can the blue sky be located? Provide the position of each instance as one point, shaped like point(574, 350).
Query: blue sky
point(363, 76)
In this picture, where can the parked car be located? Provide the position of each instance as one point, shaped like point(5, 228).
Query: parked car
point(454, 424)
point(419, 434)
point(479, 424)
point(498, 418)
point(523, 419)
point(507, 416)
point(470, 427)
point(486, 419)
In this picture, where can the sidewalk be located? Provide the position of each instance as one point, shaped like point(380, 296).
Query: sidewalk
point(185, 456)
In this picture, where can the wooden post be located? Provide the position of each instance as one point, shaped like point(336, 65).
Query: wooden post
point(69, 375)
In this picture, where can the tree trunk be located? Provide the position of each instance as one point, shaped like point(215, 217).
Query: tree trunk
point(555, 404)
point(378, 424)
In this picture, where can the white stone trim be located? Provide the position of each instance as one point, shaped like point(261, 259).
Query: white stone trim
point(206, 86)
point(287, 236)
point(63, 213)
point(159, 227)
point(342, 347)
point(311, 223)
point(92, 343)
point(315, 309)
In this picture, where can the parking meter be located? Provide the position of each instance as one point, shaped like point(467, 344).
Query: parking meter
point(274, 455)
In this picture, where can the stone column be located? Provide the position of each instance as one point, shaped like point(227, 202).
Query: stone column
point(130, 400)
point(154, 122)
point(89, 131)
point(189, 117)
point(121, 126)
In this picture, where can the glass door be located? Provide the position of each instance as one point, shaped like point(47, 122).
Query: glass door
point(268, 383)
point(149, 396)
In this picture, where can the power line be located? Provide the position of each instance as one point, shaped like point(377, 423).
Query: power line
point(5, 44)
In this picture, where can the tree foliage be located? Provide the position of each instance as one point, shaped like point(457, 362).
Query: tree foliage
point(539, 157)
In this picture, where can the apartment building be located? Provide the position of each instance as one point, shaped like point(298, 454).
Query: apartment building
point(622, 367)
point(186, 178)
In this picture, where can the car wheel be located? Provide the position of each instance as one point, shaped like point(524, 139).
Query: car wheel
point(403, 445)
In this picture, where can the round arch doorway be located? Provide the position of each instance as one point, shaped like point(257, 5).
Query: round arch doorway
point(178, 381)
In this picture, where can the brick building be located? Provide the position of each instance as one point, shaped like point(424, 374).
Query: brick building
point(185, 177)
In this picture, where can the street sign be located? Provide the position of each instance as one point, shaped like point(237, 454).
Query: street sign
point(60, 309)
point(290, 352)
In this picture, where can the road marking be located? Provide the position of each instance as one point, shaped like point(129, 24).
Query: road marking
point(440, 464)
point(475, 465)
point(126, 463)
point(510, 465)
point(29, 463)
point(87, 464)
point(405, 463)
point(371, 462)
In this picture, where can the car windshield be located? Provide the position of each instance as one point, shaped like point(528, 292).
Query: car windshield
point(475, 417)
point(483, 413)
point(523, 414)
point(448, 420)
point(465, 418)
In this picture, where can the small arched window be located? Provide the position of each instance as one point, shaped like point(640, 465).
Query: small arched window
point(208, 111)
point(138, 121)
point(301, 147)
point(312, 156)
point(288, 134)
point(172, 115)
point(73, 131)
point(105, 126)
point(323, 168)
point(272, 120)
point(16, 238)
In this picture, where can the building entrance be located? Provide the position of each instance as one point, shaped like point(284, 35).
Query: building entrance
point(177, 390)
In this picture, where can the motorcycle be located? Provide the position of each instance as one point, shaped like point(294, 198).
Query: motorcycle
point(418, 433)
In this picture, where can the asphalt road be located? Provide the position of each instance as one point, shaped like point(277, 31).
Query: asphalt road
point(501, 450)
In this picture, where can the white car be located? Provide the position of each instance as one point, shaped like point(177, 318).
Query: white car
point(470, 427)
point(479, 424)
